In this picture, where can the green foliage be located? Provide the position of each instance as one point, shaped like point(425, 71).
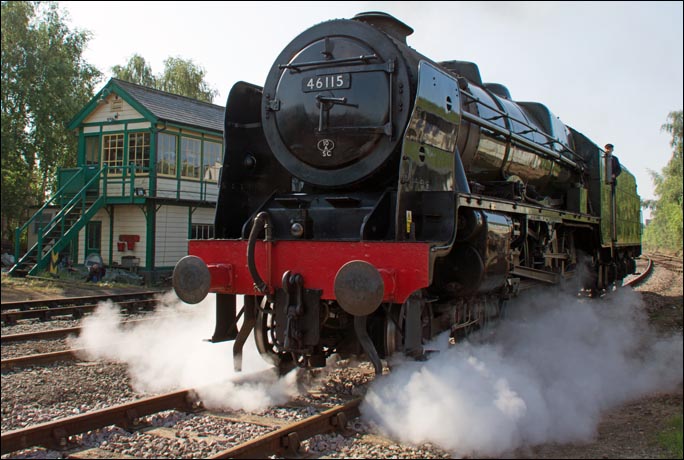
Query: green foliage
point(45, 82)
point(136, 71)
point(671, 438)
point(185, 78)
point(180, 77)
point(665, 229)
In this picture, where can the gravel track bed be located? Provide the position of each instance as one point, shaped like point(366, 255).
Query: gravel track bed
point(33, 347)
point(175, 434)
point(36, 325)
point(351, 380)
point(366, 446)
point(180, 435)
point(40, 394)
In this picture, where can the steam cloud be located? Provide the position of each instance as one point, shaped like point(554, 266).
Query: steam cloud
point(546, 374)
point(168, 352)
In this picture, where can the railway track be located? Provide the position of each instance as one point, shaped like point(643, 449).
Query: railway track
point(63, 301)
point(54, 333)
point(281, 439)
point(55, 434)
point(77, 312)
point(46, 309)
point(645, 267)
point(74, 306)
point(51, 357)
point(670, 262)
point(41, 359)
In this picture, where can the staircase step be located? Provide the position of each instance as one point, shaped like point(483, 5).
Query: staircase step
point(20, 273)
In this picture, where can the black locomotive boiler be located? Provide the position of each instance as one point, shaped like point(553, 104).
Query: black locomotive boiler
point(371, 198)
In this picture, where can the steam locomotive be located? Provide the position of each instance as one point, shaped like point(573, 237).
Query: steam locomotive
point(371, 198)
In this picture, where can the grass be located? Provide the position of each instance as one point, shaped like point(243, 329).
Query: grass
point(671, 438)
point(28, 283)
point(56, 285)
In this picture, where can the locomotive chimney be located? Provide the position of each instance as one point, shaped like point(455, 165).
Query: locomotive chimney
point(387, 23)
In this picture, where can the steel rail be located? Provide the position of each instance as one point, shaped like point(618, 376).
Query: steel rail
point(665, 256)
point(28, 304)
point(642, 276)
point(669, 262)
point(65, 332)
point(289, 437)
point(42, 335)
point(56, 433)
point(43, 358)
point(10, 317)
point(59, 333)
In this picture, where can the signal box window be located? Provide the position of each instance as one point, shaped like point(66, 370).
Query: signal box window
point(211, 161)
point(139, 151)
point(113, 152)
point(92, 150)
point(191, 150)
point(166, 155)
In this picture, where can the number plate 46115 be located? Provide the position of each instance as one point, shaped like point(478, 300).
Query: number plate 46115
point(325, 82)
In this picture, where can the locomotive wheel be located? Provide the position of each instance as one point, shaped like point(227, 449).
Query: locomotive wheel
point(391, 333)
point(395, 325)
point(266, 342)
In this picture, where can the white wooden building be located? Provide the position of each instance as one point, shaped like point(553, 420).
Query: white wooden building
point(146, 181)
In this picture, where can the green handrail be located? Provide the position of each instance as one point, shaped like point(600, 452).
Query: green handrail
point(67, 208)
point(18, 231)
point(85, 216)
point(77, 203)
point(59, 218)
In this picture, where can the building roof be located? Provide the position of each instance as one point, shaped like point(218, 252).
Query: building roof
point(174, 108)
point(161, 105)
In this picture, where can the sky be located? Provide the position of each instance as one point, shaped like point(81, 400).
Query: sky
point(611, 70)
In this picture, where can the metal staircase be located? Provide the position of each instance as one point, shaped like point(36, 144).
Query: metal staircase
point(79, 199)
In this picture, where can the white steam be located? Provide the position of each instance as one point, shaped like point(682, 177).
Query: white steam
point(169, 352)
point(546, 374)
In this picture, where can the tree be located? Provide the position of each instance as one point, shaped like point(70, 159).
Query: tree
point(45, 82)
point(185, 78)
point(180, 77)
point(136, 71)
point(18, 157)
point(665, 229)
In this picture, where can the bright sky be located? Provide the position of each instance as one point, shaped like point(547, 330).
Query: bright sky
point(611, 70)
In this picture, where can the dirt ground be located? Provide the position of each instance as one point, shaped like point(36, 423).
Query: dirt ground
point(630, 431)
point(20, 289)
